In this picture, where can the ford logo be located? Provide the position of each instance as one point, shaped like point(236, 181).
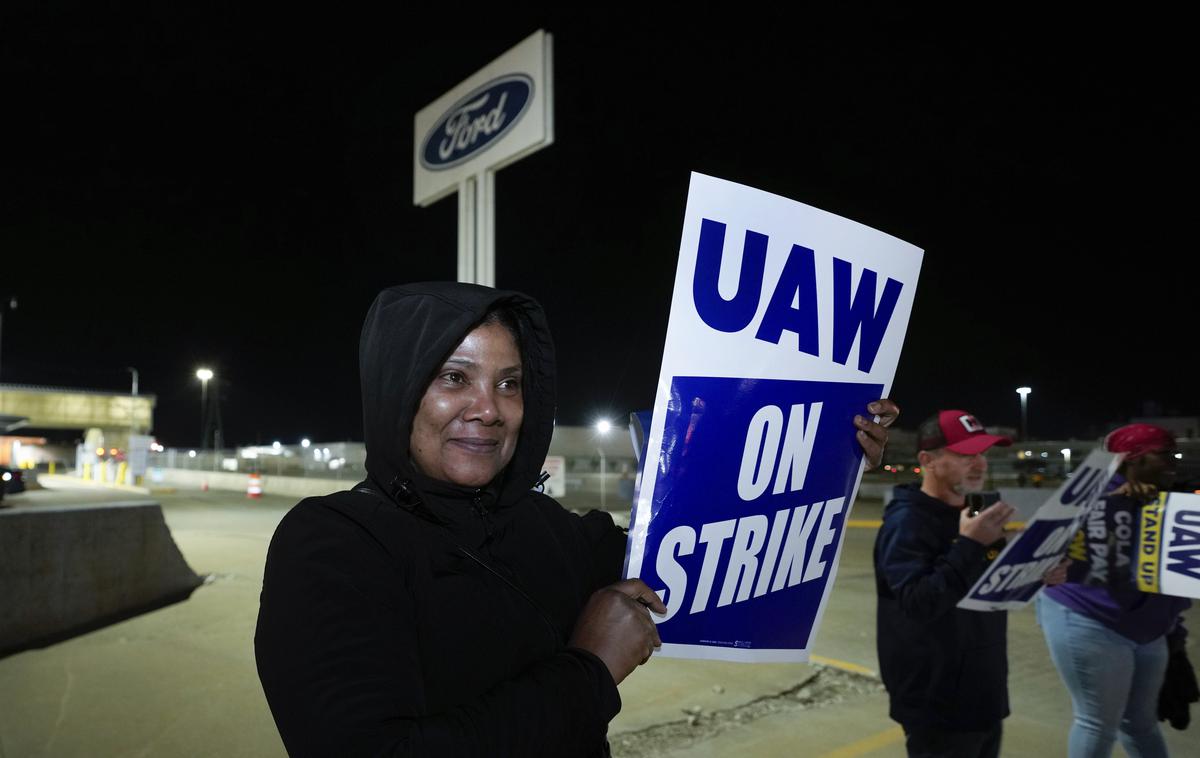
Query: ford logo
point(476, 121)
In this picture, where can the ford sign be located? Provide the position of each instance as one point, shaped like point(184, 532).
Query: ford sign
point(476, 121)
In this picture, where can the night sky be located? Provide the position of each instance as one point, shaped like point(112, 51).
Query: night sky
point(231, 188)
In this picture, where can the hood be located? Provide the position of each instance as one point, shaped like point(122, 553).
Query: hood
point(409, 331)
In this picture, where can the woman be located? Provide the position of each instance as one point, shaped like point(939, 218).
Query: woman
point(1107, 639)
point(442, 607)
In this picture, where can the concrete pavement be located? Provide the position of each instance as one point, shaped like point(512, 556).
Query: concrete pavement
point(180, 681)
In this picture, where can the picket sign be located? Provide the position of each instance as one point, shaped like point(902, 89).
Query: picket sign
point(1015, 577)
point(1168, 552)
point(786, 321)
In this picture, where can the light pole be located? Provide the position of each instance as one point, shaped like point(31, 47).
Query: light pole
point(1024, 393)
point(132, 406)
point(1066, 454)
point(11, 305)
point(602, 428)
point(203, 374)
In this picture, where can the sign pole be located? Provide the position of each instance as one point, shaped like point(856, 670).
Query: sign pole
point(485, 228)
point(495, 117)
point(466, 230)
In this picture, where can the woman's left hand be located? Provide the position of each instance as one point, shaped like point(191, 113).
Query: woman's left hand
point(1058, 574)
point(873, 436)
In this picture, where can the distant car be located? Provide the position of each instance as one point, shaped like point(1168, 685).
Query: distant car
point(11, 482)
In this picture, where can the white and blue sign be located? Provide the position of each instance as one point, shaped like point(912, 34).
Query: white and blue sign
point(1015, 577)
point(786, 321)
point(477, 120)
point(1168, 550)
point(493, 118)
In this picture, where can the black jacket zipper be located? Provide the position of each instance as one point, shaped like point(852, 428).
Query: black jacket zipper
point(484, 515)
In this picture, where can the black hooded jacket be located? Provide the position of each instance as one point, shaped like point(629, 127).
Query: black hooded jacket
point(416, 617)
point(944, 667)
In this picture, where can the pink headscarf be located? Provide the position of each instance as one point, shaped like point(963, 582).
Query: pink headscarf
point(1135, 440)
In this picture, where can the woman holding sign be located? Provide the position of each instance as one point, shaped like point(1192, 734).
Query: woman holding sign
point(443, 607)
point(1109, 641)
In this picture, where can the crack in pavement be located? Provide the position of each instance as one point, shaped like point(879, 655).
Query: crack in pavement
point(827, 686)
point(62, 709)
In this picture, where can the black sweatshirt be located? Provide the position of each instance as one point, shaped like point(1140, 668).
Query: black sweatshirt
point(944, 667)
point(415, 617)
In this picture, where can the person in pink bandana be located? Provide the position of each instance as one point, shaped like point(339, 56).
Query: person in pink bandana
point(1108, 640)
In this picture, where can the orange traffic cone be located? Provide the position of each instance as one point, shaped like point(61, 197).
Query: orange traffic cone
point(254, 487)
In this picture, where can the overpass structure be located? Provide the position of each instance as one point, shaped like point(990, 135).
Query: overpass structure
point(115, 414)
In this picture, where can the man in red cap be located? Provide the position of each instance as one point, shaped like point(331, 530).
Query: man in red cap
point(945, 669)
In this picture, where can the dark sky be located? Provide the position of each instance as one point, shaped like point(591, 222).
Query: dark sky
point(231, 188)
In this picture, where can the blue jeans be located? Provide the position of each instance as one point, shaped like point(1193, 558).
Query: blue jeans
point(1114, 683)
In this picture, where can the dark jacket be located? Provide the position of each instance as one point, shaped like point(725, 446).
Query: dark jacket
point(943, 667)
point(415, 617)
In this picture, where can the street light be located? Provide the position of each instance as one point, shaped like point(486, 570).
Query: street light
point(603, 426)
point(1024, 393)
point(1066, 454)
point(11, 305)
point(132, 405)
point(203, 374)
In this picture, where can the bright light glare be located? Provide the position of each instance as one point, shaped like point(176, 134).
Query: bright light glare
point(603, 426)
point(1023, 391)
point(276, 444)
point(191, 453)
point(304, 443)
point(204, 374)
point(1179, 456)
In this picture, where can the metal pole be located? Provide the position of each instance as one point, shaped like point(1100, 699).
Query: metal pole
point(602, 468)
point(466, 231)
point(10, 305)
point(1024, 416)
point(203, 415)
point(132, 406)
point(1024, 393)
point(485, 232)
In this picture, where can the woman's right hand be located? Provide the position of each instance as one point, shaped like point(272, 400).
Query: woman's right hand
point(616, 627)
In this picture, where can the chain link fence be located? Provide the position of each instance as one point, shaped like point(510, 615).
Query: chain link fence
point(337, 460)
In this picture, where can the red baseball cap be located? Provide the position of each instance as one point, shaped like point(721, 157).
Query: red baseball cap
point(959, 432)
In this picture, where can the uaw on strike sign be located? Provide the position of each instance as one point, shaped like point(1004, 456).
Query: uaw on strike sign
point(786, 321)
point(1168, 548)
point(1015, 577)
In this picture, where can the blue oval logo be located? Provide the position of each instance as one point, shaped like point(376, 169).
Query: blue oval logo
point(476, 121)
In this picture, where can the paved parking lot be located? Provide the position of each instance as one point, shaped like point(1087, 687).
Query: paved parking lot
point(180, 681)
